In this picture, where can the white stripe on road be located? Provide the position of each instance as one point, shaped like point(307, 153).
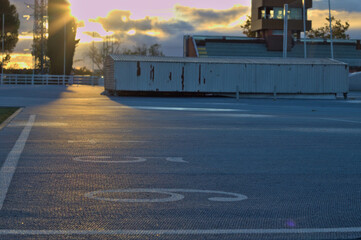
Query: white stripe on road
point(186, 109)
point(182, 231)
point(9, 167)
point(339, 120)
point(192, 109)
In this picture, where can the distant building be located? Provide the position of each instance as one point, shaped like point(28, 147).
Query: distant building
point(267, 22)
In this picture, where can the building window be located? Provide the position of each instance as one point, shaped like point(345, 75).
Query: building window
point(277, 13)
point(295, 14)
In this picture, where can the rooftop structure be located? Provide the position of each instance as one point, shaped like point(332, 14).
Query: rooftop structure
point(348, 51)
point(267, 16)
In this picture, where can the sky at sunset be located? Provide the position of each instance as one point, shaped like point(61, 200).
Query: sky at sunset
point(165, 22)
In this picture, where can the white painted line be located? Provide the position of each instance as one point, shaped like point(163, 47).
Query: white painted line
point(183, 231)
point(174, 196)
point(97, 159)
point(39, 124)
point(93, 141)
point(239, 115)
point(8, 169)
point(175, 159)
point(186, 109)
point(179, 109)
point(339, 120)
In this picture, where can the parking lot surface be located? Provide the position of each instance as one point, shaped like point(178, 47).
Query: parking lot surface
point(80, 165)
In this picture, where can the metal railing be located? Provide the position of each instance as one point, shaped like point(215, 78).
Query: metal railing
point(32, 79)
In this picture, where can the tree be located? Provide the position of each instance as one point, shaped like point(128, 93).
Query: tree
point(154, 50)
point(60, 20)
point(99, 56)
point(247, 28)
point(338, 30)
point(12, 24)
point(82, 71)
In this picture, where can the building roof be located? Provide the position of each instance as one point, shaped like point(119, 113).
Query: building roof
point(223, 46)
point(229, 60)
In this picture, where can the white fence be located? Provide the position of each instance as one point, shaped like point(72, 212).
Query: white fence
point(30, 79)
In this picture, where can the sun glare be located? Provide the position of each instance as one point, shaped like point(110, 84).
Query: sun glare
point(131, 32)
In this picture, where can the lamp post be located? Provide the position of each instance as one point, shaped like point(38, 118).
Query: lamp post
point(331, 37)
point(304, 28)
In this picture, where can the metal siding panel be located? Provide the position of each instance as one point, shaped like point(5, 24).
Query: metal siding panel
point(251, 77)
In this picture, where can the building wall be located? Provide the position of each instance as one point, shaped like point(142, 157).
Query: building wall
point(109, 77)
point(215, 77)
point(277, 24)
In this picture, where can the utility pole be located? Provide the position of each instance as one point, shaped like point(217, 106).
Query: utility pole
point(285, 31)
point(331, 37)
point(304, 28)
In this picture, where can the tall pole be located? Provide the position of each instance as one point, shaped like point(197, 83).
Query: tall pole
point(93, 52)
point(42, 36)
point(285, 31)
point(3, 48)
point(331, 37)
point(64, 47)
point(304, 28)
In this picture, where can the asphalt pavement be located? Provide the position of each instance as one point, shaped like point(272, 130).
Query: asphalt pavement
point(80, 165)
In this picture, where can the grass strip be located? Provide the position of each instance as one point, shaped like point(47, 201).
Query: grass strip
point(6, 112)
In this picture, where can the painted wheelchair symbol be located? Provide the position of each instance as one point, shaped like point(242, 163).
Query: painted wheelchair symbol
point(173, 195)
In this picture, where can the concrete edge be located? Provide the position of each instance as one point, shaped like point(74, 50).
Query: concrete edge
point(7, 121)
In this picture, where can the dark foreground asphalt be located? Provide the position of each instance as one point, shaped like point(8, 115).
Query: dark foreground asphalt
point(95, 167)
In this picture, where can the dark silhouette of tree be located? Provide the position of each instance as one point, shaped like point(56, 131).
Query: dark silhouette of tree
point(338, 30)
point(60, 19)
point(99, 56)
point(154, 50)
point(247, 28)
point(12, 24)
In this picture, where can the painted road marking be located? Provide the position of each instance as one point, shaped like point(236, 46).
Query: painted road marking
point(93, 141)
point(239, 115)
point(173, 195)
point(191, 109)
point(99, 159)
point(103, 159)
point(187, 109)
point(39, 124)
point(339, 120)
point(8, 169)
point(183, 231)
point(175, 159)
